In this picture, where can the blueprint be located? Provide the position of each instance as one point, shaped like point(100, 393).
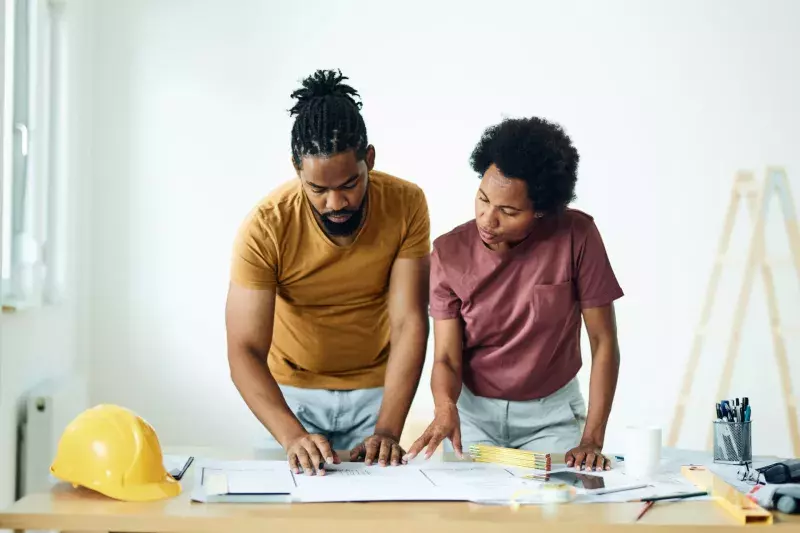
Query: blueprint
point(273, 481)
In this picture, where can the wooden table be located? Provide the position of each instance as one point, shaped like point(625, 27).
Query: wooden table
point(68, 509)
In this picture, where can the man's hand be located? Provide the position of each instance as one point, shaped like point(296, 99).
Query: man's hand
point(382, 448)
point(311, 452)
point(587, 455)
point(446, 424)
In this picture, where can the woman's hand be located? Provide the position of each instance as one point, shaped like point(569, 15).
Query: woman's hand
point(587, 455)
point(446, 424)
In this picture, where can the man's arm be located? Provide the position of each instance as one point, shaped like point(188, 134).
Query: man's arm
point(602, 330)
point(408, 318)
point(249, 317)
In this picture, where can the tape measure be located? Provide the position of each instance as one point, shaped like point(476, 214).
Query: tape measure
point(547, 493)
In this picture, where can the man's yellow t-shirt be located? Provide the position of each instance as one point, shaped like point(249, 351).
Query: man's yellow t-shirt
point(331, 316)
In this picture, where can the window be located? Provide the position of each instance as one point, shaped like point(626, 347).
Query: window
point(31, 60)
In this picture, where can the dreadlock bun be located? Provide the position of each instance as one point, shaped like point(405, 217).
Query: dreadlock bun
point(327, 118)
point(323, 84)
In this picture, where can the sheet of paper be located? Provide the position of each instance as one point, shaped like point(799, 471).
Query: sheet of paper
point(349, 482)
point(260, 481)
point(247, 477)
point(427, 481)
point(527, 494)
point(675, 458)
point(359, 473)
point(615, 487)
point(215, 483)
point(738, 477)
point(459, 474)
point(663, 484)
point(478, 482)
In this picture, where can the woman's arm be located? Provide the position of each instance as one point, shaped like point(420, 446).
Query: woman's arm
point(446, 387)
point(601, 327)
point(446, 374)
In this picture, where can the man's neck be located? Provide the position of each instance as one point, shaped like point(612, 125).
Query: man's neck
point(343, 240)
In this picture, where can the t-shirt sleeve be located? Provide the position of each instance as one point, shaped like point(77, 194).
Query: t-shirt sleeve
point(254, 264)
point(444, 303)
point(597, 283)
point(417, 242)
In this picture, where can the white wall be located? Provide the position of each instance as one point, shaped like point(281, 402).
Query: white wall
point(665, 101)
point(41, 343)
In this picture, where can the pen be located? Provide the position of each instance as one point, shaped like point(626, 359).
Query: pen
point(646, 507)
point(652, 500)
point(178, 473)
point(679, 496)
point(610, 490)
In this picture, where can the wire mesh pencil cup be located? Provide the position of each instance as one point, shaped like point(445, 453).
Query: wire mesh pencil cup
point(733, 442)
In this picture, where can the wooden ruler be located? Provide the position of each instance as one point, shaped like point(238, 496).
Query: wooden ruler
point(742, 508)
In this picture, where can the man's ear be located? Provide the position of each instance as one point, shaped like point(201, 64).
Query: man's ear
point(296, 167)
point(370, 157)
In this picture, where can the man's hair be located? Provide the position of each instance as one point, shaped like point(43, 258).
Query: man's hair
point(535, 151)
point(328, 118)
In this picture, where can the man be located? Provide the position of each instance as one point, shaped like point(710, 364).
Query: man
point(327, 307)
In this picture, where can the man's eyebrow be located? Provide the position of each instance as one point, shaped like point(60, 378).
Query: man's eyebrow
point(350, 180)
point(500, 206)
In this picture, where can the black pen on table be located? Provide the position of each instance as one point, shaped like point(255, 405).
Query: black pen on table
point(649, 502)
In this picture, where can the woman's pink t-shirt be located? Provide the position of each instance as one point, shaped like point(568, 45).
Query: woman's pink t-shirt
point(521, 309)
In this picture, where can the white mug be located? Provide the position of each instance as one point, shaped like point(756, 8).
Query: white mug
point(642, 451)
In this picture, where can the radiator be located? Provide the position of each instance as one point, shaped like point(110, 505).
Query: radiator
point(48, 409)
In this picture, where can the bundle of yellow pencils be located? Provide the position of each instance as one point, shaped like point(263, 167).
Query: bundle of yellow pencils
point(483, 453)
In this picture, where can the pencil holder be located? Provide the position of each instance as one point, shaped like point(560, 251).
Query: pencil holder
point(733, 443)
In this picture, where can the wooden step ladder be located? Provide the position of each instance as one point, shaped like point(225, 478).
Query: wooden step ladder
point(757, 198)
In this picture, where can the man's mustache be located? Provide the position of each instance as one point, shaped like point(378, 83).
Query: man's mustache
point(341, 213)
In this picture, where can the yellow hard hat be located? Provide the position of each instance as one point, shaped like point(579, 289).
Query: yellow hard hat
point(113, 451)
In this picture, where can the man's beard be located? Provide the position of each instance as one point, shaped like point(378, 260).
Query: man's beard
point(341, 229)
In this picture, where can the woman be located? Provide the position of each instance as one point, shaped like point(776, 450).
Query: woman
point(507, 293)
